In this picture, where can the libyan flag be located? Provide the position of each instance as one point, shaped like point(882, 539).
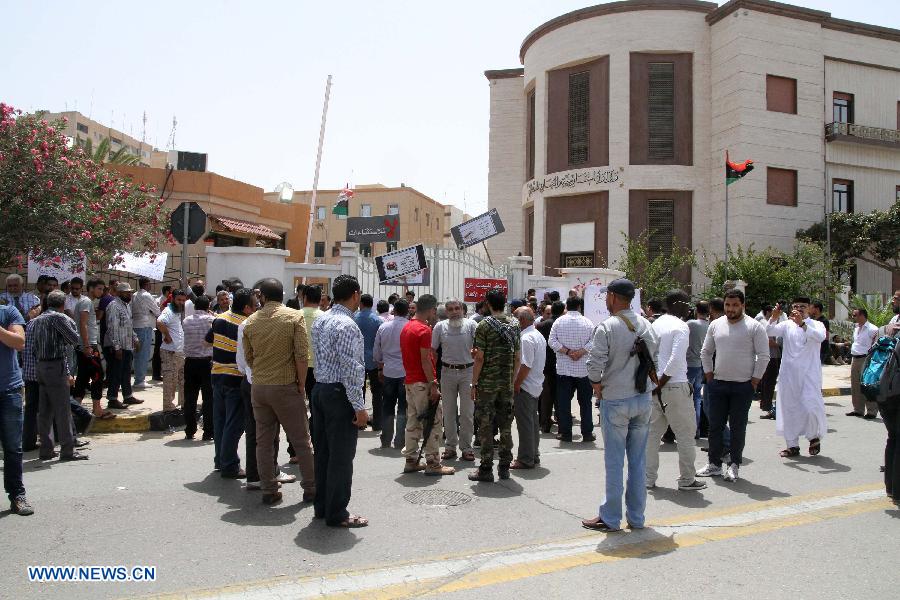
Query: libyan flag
point(342, 206)
point(735, 171)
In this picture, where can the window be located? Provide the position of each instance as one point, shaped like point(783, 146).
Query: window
point(529, 144)
point(842, 108)
point(319, 250)
point(842, 195)
point(320, 213)
point(781, 187)
point(898, 193)
point(427, 220)
point(393, 209)
point(82, 127)
point(416, 215)
point(781, 94)
point(365, 210)
point(391, 246)
point(661, 228)
point(115, 140)
point(661, 113)
point(365, 249)
point(437, 223)
point(579, 117)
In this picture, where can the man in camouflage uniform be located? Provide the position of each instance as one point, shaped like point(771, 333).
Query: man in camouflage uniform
point(496, 351)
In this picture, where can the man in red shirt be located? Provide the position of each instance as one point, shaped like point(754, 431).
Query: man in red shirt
point(422, 390)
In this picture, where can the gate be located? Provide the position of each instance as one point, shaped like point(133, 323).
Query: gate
point(448, 268)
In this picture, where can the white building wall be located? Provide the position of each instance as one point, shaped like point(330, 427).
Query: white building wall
point(616, 36)
point(506, 164)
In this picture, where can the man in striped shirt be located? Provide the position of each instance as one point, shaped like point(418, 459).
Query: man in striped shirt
point(197, 368)
point(338, 408)
point(54, 336)
point(571, 338)
point(228, 406)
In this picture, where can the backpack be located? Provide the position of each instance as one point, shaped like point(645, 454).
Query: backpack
point(645, 368)
point(880, 379)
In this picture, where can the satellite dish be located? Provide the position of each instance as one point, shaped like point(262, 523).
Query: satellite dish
point(285, 192)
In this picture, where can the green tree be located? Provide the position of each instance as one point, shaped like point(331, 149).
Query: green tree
point(103, 155)
point(58, 202)
point(872, 237)
point(771, 275)
point(653, 270)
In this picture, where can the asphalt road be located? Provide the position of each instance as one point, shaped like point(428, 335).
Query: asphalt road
point(804, 528)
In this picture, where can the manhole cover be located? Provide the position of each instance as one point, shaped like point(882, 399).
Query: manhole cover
point(437, 498)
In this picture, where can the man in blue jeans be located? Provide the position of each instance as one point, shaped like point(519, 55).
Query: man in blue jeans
point(570, 337)
point(386, 353)
point(734, 355)
point(624, 409)
point(12, 341)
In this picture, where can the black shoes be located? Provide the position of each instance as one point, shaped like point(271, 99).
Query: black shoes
point(239, 474)
point(486, 475)
point(588, 438)
point(503, 471)
point(73, 457)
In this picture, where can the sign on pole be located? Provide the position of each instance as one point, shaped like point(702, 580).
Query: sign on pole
point(373, 229)
point(151, 266)
point(478, 229)
point(476, 289)
point(196, 225)
point(401, 263)
point(595, 303)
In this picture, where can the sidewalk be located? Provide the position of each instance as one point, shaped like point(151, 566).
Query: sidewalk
point(835, 382)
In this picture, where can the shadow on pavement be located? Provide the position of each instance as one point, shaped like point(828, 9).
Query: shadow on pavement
point(538, 472)
point(826, 464)
point(648, 543)
point(507, 488)
point(256, 514)
point(754, 491)
point(686, 499)
point(321, 539)
point(417, 480)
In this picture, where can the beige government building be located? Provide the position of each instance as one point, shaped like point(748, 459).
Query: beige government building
point(619, 121)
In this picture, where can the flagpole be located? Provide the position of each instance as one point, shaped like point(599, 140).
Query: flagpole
point(726, 226)
point(315, 189)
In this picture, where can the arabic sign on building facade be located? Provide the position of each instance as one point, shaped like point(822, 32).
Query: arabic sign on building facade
point(589, 177)
point(476, 289)
point(373, 229)
point(478, 229)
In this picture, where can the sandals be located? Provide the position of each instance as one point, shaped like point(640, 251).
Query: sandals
point(597, 524)
point(790, 452)
point(516, 464)
point(103, 416)
point(353, 522)
point(468, 455)
point(815, 446)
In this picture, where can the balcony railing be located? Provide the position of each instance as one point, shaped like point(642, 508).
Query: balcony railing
point(862, 134)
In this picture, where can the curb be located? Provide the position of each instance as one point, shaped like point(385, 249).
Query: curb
point(830, 392)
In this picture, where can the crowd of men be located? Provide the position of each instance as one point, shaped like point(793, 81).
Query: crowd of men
point(444, 387)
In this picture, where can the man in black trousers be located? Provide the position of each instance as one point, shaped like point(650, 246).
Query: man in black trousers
point(338, 407)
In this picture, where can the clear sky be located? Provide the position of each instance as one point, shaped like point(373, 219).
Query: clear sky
point(246, 80)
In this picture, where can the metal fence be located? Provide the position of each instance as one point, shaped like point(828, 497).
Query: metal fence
point(448, 268)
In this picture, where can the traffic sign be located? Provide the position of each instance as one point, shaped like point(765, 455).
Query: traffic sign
point(196, 223)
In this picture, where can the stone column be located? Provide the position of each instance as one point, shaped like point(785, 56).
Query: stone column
point(349, 259)
point(518, 275)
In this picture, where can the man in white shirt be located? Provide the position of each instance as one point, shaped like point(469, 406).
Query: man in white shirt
point(864, 335)
point(527, 387)
point(893, 326)
point(673, 402)
point(570, 338)
point(172, 350)
point(144, 311)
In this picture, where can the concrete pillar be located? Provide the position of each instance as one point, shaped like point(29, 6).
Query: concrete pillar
point(518, 275)
point(349, 259)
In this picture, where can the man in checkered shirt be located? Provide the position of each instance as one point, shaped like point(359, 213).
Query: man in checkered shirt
point(570, 338)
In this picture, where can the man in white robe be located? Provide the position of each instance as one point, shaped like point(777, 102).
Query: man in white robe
point(800, 409)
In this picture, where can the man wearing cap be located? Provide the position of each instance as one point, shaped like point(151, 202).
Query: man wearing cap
point(119, 343)
point(624, 407)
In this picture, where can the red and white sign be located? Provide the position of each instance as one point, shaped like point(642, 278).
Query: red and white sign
point(477, 289)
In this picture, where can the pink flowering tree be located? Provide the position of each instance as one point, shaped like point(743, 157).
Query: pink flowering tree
point(56, 202)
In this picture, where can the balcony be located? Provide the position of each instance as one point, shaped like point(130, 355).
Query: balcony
point(862, 134)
